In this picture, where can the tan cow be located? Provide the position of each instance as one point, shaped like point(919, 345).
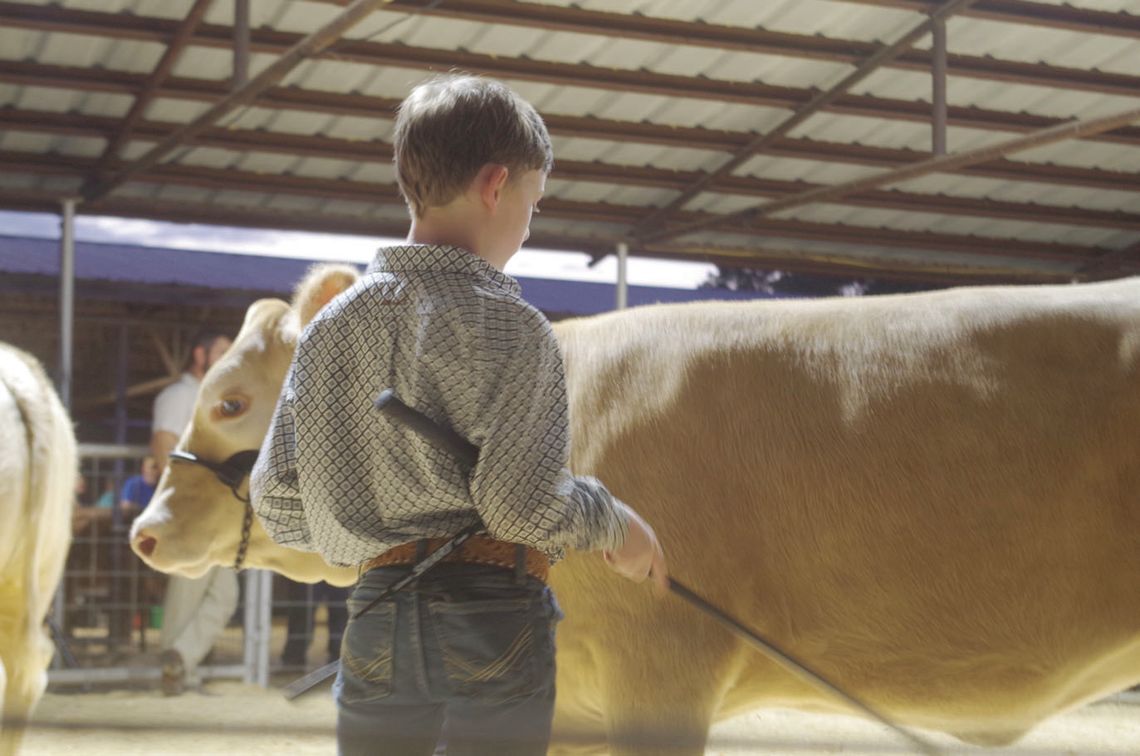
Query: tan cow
point(933, 499)
point(38, 470)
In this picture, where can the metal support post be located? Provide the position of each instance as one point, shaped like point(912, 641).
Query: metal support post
point(265, 625)
point(66, 332)
point(122, 368)
point(249, 625)
point(66, 298)
point(258, 623)
point(241, 43)
point(622, 283)
point(938, 95)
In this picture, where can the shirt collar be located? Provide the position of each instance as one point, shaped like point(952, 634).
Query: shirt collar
point(440, 258)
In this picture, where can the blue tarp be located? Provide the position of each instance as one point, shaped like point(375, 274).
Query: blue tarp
point(144, 269)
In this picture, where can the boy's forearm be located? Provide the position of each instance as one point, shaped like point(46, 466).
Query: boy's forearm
point(277, 503)
point(576, 513)
point(283, 519)
point(273, 487)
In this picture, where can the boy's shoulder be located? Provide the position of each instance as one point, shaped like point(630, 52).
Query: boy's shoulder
point(456, 295)
point(513, 309)
point(459, 291)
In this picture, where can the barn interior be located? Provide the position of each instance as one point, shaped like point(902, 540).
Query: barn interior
point(892, 145)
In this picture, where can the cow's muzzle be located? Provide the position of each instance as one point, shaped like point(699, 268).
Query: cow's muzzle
point(235, 469)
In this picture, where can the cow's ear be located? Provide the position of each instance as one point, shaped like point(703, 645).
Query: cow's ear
point(318, 287)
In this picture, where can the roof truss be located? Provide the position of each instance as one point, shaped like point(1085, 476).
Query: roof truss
point(650, 227)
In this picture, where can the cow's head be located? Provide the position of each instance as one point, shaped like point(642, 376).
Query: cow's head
point(194, 520)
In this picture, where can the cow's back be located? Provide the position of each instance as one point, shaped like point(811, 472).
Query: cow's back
point(37, 484)
point(932, 498)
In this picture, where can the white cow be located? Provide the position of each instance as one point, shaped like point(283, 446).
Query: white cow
point(933, 499)
point(38, 470)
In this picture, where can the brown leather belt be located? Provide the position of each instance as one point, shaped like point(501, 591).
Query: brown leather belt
point(476, 550)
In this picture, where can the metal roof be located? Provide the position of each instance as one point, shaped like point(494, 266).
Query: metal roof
point(643, 98)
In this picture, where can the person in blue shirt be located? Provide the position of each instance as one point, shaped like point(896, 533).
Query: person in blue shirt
point(138, 489)
point(106, 499)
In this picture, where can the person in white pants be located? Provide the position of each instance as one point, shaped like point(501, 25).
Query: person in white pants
point(195, 610)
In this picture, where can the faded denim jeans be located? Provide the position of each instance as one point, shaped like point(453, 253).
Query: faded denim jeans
point(463, 657)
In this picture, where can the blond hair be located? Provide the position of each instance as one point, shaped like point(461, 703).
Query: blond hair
point(449, 127)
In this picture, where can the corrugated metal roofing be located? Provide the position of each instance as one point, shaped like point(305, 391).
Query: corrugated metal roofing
point(833, 146)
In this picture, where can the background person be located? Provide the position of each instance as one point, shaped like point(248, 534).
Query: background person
point(196, 610)
point(302, 600)
point(138, 489)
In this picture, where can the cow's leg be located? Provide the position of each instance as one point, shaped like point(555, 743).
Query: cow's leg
point(23, 662)
point(15, 713)
point(3, 708)
point(577, 737)
point(560, 748)
point(653, 689)
point(678, 727)
point(658, 710)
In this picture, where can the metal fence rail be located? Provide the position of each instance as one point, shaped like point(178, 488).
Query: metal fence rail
point(108, 616)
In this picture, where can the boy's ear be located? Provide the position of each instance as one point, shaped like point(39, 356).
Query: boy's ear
point(492, 179)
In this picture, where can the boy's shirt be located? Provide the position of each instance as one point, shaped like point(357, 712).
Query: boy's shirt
point(454, 338)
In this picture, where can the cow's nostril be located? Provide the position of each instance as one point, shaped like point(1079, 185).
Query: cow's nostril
point(145, 544)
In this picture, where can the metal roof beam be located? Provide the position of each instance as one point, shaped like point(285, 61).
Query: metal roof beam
point(387, 194)
point(198, 90)
point(1109, 264)
point(243, 140)
point(527, 69)
point(237, 140)
point(1000, 168)
point(149, 89)
point(940, 163)
point(758, 40)
point(797, 261)
point(282, 98)
point(610, 174)
point(844, 234)
point(802, 261)
point(802, 113)
point(302, 49)
point(1034, 14)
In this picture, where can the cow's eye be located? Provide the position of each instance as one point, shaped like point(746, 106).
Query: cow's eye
point(231, 407)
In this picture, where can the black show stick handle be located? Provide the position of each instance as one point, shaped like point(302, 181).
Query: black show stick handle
point(444, 438)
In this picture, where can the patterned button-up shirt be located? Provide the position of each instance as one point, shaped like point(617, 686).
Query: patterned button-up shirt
point(454, 338)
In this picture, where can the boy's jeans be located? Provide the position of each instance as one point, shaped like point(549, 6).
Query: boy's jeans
point(464, 656)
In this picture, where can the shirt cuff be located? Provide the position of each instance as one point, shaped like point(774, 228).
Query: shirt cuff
point(606, 518)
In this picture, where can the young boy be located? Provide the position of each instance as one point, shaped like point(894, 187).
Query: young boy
point(465, 654)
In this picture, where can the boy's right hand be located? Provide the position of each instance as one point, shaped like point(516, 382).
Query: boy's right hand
point(641, 555)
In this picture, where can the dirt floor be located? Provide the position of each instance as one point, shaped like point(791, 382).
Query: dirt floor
point(233, 718)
